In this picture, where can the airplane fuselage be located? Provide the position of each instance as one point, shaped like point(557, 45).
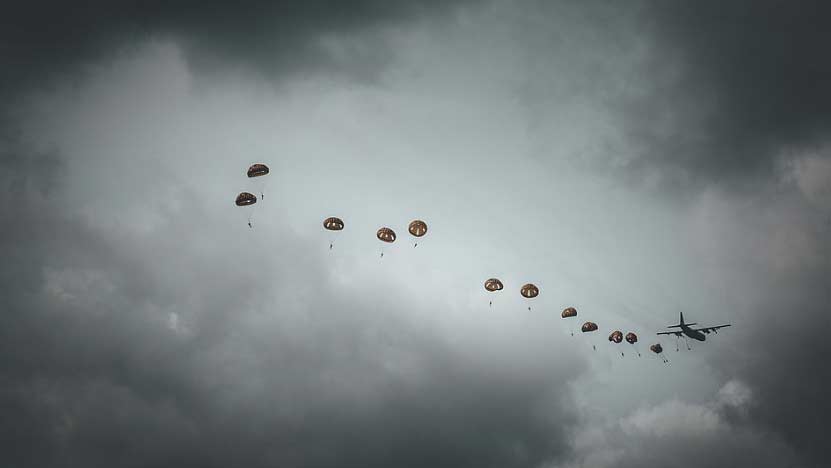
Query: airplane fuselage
point(694, 334)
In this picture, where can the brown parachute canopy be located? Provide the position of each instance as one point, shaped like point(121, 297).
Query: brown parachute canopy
point(245, 199)
point(616, 336)
point(333, 224)
point(257, 170)
point(530, 291)
point(657, 348)
point(569, 312)
point(589, 327)
point(493, 284)
point(385, 234)
point(631, 338)
point(418, 228)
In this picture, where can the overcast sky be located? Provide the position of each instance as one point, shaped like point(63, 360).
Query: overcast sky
point(632, 159)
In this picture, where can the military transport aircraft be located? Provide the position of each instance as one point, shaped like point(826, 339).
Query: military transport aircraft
point(694, 333)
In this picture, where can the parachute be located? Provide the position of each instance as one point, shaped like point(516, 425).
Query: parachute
point(387, 235)
point(493, 285)
point(616, 337)
point(632, 338)
point(333, 225)
point(659, 350)
point(258, 170)
point(246, 199)
point(529, 291)
point(569, 312)
point(589, 327)
point(417, 228)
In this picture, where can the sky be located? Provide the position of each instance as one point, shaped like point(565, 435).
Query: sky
point(632, 159)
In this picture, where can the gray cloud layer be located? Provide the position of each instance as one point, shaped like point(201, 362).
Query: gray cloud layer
point(132, 348)
point(46, 40)
point(733, 88)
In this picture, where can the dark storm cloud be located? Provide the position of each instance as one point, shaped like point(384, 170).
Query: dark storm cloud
point(729, 86)
point(40, 41)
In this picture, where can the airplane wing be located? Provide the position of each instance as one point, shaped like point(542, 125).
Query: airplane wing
point(670, 333)
point(711, 329)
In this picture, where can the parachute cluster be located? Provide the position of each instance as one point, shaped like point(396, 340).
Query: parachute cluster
point(418, 228)
point(248, 199)
point(616, 337)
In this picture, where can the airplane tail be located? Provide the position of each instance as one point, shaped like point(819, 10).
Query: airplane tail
point(681, 324)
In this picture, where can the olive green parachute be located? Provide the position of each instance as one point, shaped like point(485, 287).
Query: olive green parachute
point(418, 228)
point(385, 234)
point(258, 170)
point(569, 312)
point(333, 224)
point(529, 291)
point(493, 284)
point(245, 199)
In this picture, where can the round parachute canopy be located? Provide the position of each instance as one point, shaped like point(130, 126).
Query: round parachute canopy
point(418, 228)
point(616, 336)
point(569, 312)
point(385, 234)
point(530, 291)
point(589, 327)
point(245, 199)
point(493, 284)
point(631, 338)
point(333, 224)
point(657, 348)
point(257, 170)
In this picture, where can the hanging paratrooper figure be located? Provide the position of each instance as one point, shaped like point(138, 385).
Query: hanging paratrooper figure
point(334, 226)
point(569, 312)
point(257, 171)
point(632, 339)
point(616, 337)
point(417, 228)
point(529, 291)
point(385, 235)
point(589, 327)
point(493, 285)
point(247, 200)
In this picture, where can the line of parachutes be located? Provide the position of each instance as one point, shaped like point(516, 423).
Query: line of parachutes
point(418, 228)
